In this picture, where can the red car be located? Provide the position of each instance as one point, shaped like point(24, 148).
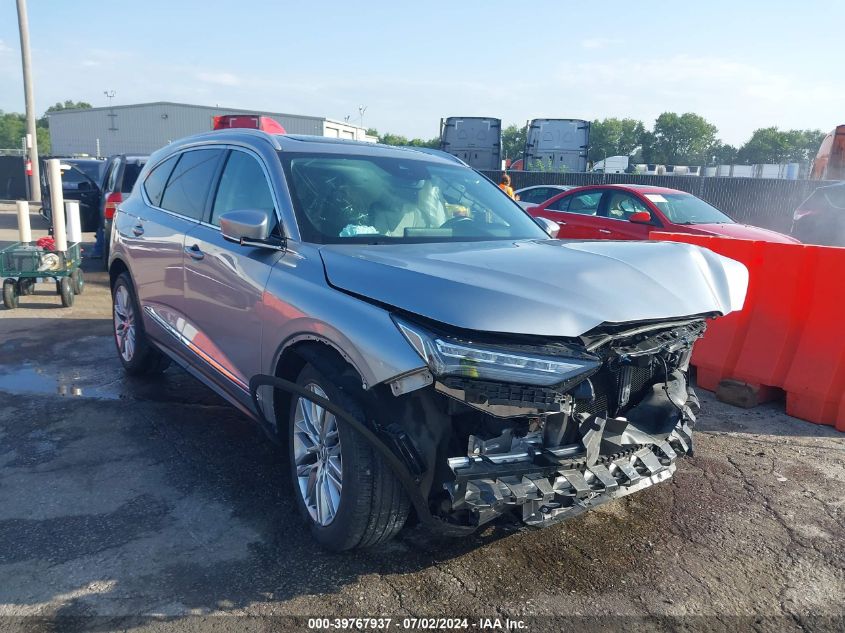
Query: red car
point(629, 212)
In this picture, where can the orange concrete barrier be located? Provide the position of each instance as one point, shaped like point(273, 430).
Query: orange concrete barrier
point(815, 381)
point(786, 336)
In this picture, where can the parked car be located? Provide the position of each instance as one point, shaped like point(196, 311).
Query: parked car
point(630, 212)
point(532, 196)
point(81, 180)
point(612, 165)
point(411, 335)
point(120, 175)
point(820, 219)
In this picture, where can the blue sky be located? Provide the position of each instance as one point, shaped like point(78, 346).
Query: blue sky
point(742, 65)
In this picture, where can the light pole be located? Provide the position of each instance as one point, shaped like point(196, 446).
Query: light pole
point(32, 137)
point(110, 96)
point(361, 110)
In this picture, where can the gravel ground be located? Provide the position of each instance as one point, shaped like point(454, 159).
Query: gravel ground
point(154, 505)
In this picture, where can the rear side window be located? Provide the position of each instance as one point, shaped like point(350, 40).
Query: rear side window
point(242, 186)
point(111, 185)
point(585, 203)
point(538, 195)
point(559, 205)
point(130, 175)
point(157, 179)
point(187, 188)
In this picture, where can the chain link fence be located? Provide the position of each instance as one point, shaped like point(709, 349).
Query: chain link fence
point(763, 202)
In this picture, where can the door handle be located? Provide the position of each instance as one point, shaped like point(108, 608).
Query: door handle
point(561, 222)
point(605, 231)
point(137, 230)
point(194, 252)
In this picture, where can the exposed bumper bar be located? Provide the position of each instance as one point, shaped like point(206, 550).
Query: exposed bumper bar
point(549, 487)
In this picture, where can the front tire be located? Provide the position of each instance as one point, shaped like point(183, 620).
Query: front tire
point(10, 294)
point(349, 497)
point(137, 355)
point(66, 291)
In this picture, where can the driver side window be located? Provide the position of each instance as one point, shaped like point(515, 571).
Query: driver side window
point(622, 206)
point(242, 186)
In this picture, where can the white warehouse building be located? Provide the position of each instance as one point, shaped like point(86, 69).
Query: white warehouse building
point(145, 127)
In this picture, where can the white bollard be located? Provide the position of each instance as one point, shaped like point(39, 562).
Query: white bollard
point(74, 226)
point(57, 202)
point(24, 229)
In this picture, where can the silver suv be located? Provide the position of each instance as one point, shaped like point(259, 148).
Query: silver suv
point(414, 339)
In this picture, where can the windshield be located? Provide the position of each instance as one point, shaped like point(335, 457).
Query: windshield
point(76, 178)
point(91, 168)
point(340, 198)
point(684, 208)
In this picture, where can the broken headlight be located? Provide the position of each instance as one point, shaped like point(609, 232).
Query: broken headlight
point(446, 356)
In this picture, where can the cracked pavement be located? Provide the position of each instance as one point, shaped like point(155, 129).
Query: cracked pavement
point(158, 502)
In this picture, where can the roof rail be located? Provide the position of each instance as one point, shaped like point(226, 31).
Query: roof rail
point(251, 132)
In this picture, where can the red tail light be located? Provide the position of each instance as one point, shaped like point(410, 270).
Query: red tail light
point(112, 200)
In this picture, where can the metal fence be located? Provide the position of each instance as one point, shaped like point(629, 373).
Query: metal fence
point(768, 203)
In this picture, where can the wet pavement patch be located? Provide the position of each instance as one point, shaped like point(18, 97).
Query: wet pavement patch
point(33, 380)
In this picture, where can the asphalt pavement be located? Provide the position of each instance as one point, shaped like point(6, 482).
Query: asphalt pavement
point(149, 505)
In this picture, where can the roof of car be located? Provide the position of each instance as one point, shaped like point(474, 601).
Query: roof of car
point(299, 143)
point(644, 188)
point(626, 186)
point(561, 187)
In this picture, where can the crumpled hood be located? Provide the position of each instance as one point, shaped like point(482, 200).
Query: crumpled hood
point(546, 287)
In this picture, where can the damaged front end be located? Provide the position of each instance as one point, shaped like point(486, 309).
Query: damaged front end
point(551, 430)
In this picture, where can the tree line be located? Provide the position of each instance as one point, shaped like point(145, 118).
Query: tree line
point(689, 139)
point(675, 139)
point(13, 126)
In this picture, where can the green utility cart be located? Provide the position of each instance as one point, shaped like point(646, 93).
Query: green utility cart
point(21, 265)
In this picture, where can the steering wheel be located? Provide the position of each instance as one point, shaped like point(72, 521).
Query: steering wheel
point(452, 222)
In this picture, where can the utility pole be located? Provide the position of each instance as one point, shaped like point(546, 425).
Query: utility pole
point(32, 138)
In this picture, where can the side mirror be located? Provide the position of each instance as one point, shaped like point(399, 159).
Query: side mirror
point(640, 217)
point(248, 227)
point(548, 226)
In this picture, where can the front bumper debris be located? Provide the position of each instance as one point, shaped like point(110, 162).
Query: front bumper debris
point(569, 491)
point(615, 458)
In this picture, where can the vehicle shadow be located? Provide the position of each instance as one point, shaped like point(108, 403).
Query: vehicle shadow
point(213, 492)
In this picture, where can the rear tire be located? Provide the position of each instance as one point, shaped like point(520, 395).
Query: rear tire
point(26, 287)
point(78, 279)
point(138, 356)
point(369, 506)
point(66, 290)
point(10, 294)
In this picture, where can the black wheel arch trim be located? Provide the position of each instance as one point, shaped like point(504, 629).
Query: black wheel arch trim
point(410, 482)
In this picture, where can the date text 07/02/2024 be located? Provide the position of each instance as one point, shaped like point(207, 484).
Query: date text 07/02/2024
point(410, 623)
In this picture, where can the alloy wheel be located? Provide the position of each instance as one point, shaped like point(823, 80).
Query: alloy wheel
point(318, 459)
point(124, 324)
